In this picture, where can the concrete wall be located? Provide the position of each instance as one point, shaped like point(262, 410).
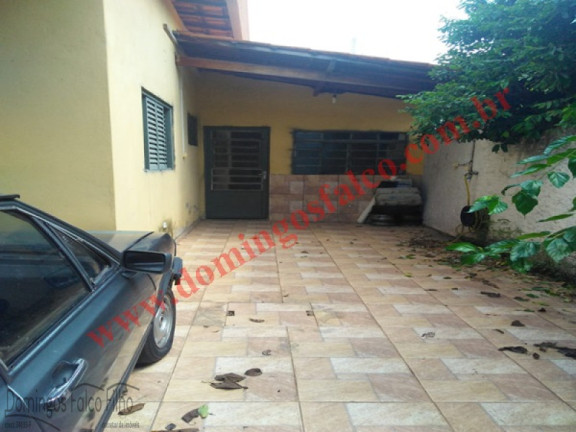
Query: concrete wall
point(142, 56)
point(55, 146)
point(445, 190)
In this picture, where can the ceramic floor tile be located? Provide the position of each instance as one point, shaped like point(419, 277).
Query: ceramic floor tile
point(314, 368)
point(398, 388)
point(531, 414)
point(566, 390)
point(171, 413)
point(357, 330)
point(325, 349)
point(423, 414)
point(482, 366)
point(214, 349)
point(335, 391)
point(463, 391)
point(430, 369)
point(147, 387)
point(138, 421)
point(276, 414)
point(199, 390)
point(201, 368)
point(326, 417)
point(522, 388)
point(428, 350)
point(468, 417)
point(356, 365)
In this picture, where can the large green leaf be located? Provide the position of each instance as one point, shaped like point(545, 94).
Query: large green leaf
point(524, 202)
point(532, 187)
point(497, 207)
point(491, 202)
point(530, 170)
point(561, 142)
point(570, 237)
point(521, 265)
point(558, 179)
point(533, 235)
point(502, 246)
point(532, 159)
point(560, 156)
point(557, 217)
point(471, 259)
point(572, 166)
point(558, 249)
point(524, 249)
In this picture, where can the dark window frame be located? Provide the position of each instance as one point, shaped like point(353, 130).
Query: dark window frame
point(340, 151)
point(157, 117)
point(192, 123)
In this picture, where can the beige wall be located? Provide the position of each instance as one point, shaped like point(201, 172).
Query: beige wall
point(232, 101)
point(446, 192)
point(55, 145)
point(141, 55)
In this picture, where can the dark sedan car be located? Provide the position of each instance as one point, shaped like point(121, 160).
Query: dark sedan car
point(77, 312)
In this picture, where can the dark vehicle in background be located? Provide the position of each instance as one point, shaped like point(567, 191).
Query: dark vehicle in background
point(77, 312)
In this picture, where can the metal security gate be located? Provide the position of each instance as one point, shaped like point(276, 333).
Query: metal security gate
point(236, 161)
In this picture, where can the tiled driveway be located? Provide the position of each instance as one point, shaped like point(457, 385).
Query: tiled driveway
point(355, 330)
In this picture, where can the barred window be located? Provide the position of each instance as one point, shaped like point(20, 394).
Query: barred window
point(337, 152)
point(158, 142)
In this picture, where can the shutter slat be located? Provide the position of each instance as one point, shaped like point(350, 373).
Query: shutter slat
point(157, 132)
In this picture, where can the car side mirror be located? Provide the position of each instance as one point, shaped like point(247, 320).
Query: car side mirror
point(146, 261)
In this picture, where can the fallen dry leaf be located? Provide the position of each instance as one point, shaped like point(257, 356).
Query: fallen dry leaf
point(515, 349)
point(517, 323)
point(131, 409)
point(230, 377)
point(227, 385)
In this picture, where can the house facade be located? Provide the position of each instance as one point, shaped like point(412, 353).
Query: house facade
point(149, 115)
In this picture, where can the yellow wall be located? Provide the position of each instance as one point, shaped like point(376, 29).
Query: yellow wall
point(141, 55)
point(230, 101)
point(71, 128)
point(55, 145)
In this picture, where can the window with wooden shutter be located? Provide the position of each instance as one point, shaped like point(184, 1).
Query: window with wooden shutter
point(158, 144)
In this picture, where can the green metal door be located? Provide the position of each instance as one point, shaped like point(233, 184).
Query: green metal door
point(236, 161)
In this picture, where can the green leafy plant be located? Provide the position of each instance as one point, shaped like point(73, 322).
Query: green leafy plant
point(521, 250)
point(527, 50)
point(525, 46)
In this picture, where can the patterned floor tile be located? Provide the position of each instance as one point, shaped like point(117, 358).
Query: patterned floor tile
point(357, 330)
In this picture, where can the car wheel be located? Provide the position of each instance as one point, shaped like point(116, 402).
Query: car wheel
point(161, 335)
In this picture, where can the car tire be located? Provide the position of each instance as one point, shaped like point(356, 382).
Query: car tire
point(161, 335)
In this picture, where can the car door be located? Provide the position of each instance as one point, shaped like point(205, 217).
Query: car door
point(63, 350)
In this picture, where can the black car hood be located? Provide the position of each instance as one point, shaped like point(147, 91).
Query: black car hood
point(120, 240)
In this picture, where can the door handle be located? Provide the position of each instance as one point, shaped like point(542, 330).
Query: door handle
point(62, 392)
point(264, 175)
